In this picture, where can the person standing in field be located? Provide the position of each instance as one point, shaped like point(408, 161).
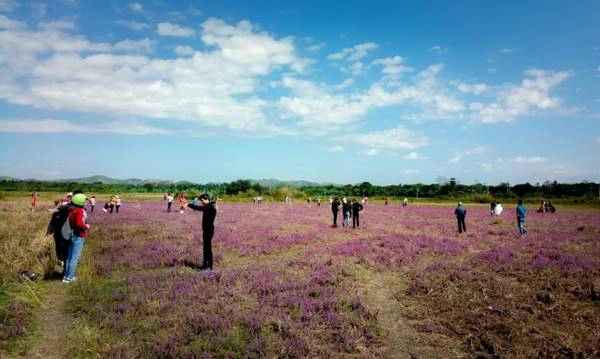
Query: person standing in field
point(335, 207)
point(117, 203)
point(405, 202)
point(493, 208)
point(521, 214)
point(182, 202)
point(461, 213)
point(77, 218)
point(34, 199)
point(209, 212)
point(356, 208)
point(318, 201)
point(92, 204)
point(345, 212)
point(169, 200)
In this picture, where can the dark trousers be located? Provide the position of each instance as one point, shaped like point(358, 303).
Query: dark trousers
point(207, 260)
point(335, 218)
point(169, 206)
point(355, 222)
point(461, 224)
point(62, 247)
point(92, 209)
point(117, 207)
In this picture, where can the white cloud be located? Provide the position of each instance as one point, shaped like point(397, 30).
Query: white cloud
point(412, 156)
point(476, 151)
point(438, 49)
point(353, 53)
point(137, 26)
point(399, 138)
point(410, 172)
point(136, 7)
point(345, 84)
point(8, 5)
point(393, 65)
point(336, 149)
point(316, 47)
point(455, 159)
point(57, 25)
point(532, 95)
point(506, 51)
point(38, 10)
point(529, 160)
point(168, 29)
point(486, 167)
point(59, 126)
point(8, 24)
point(184, 51)
point(372, 152)
point(145, 45)
point(476, 89)
point(53, 70)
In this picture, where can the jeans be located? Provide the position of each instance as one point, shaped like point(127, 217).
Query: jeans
point(346, 217)
point(461, 224)
point(521, 223)
point(74, 253)
point(169, 206)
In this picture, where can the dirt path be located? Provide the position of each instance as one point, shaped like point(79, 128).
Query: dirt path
point(400, 339)
point(56, 323)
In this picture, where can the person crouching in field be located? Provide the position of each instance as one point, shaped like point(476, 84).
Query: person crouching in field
point(461, 213)
point(77, 218)
point(209, 212)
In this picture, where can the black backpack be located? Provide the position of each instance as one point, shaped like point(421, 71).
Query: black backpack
point(59, 222)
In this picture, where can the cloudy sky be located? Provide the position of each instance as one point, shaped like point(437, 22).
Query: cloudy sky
point(328, 91)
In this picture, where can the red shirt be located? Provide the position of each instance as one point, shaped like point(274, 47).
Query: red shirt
point(77, 222)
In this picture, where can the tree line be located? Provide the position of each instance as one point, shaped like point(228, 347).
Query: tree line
point(444, 189)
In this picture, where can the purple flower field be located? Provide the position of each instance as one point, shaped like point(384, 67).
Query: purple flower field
point(287, 284)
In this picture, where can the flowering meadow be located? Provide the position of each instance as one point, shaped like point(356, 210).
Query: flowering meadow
point(287, 284)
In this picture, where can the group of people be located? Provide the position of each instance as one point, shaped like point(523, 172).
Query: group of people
point(350, 209)
point(496, 209)
point(113, 203)
point(546, 207)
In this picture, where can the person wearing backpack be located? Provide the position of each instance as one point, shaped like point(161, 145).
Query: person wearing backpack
point(60, 228)
point(77, 217)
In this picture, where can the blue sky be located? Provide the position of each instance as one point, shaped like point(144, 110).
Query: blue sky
point(336, 91)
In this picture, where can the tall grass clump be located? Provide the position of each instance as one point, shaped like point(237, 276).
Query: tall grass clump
point(24, 247)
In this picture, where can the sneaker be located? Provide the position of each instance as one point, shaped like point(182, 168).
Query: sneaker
point(104, 209)
point(74, 279)
point(65, 280)
point(207, 270)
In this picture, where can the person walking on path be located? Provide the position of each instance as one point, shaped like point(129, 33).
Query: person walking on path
point(118, 203)
point(461, 213)
point(521, 214)
point(356, 208)
point(335, 207)
point(209, 212)
point(346, 212)
point(80, 228)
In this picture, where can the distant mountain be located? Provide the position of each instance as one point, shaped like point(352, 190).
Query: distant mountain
point(275, 183)
point(267, 182)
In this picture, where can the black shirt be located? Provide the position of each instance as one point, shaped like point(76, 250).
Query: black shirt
point(356, 207)
point(209, 212)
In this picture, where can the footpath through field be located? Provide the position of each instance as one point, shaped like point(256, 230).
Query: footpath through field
point(55, 324)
